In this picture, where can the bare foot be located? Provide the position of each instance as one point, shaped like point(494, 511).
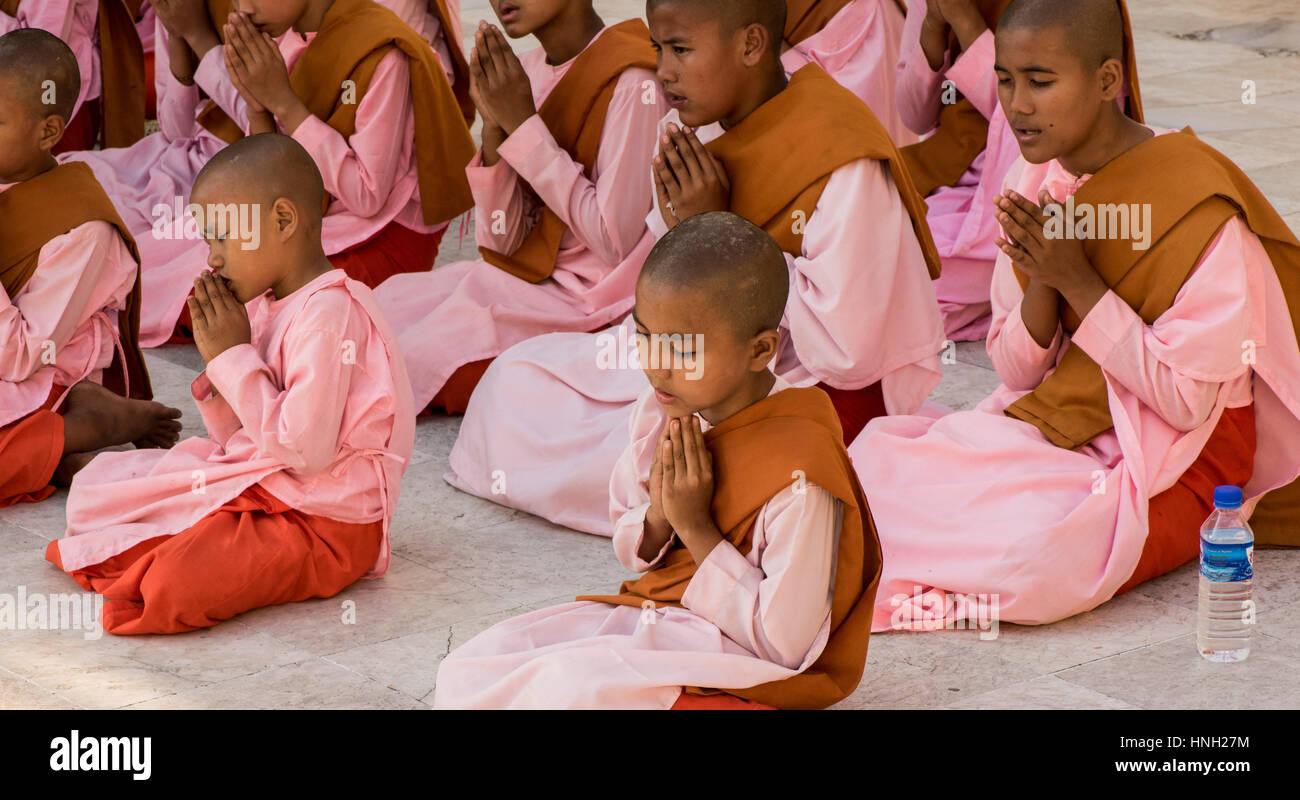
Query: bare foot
point(96, 418)
point(69, 466)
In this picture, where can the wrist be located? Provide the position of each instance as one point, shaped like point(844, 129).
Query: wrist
point(290, 111)
point(201, 41)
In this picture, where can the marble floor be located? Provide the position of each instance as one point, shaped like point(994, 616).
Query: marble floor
point(461, 564)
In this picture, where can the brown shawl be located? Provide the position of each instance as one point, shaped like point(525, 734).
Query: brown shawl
point(829, 127)
point(354, 36)
point(574, 113)
point(756, 454)
point(47, 206)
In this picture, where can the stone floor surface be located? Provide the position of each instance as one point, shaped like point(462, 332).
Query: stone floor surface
point(461, 564)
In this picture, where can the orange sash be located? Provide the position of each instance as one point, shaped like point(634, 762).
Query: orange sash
point(574, 113)
point(49, 205)
point(757, 453)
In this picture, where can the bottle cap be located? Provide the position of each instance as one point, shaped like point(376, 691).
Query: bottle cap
point(1227, 497)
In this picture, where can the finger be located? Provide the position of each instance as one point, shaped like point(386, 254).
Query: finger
point(668, 151)
point(665, 177)
point(666, 473)
point(694, 172)
point(1027, 207)
point(691, 450)
point(679, 451)
point(198, 320)
point(661, 193)
point(494, 47)
point(703, 158)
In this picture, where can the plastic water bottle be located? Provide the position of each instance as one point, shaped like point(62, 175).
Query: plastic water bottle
point(1226, 612)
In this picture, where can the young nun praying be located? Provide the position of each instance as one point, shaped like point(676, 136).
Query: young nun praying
point(735, 500)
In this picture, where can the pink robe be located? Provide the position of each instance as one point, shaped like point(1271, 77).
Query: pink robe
point(317, 411)
point(961, 216)
point(977, 503)
point(469, 311)
point(73, 21)
point(551, 413)
point(748, 619)
point(859, 48)
point(67, 312)
point(372, 175)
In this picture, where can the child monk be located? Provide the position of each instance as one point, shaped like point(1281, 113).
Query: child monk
point(946, 84)
point(352, 83)
point(736, 500)
point(70, 289)
point(111, 99)
point(799, 156)
point(1142, 365)
point(309, 419)
point(856, 42)
point(561, 189)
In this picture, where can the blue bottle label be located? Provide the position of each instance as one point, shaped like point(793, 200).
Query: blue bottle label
point(1227, 563)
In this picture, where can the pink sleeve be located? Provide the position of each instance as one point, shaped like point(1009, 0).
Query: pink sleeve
point(212, 78)
point(503, 212)
point(607, 216)
point(861, 305)
point(917, 88)
point(300, 424)
point(361, 170)
point(1020, 363)
point(218, 417)
point(1176, 365)
point(776, 609)
point(63, 293)
point(974, 76)
point(629, 494)
point(178, 104)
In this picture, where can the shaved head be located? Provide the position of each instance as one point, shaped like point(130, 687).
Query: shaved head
point(44, 68)
point(270, 165)
point(732, 15)
point(1094, 28)
point(732, 263)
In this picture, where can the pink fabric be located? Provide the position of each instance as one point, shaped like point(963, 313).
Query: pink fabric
point(424, 20)
point(145, 26)
point(471, 310)
point(316, 410)
point(551, 412)
point(859, 48)
point(67, 312)
point(748, 619)
point(372, 175)
point(961, 217)
point(73, 21)
point(978, 503)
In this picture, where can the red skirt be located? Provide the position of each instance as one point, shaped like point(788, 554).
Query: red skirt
point(394, 250)
point(252, 552)
point(1176, 514)
point(716, 702)
point(856, 407)
point(82, 131)
point(30, 451)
